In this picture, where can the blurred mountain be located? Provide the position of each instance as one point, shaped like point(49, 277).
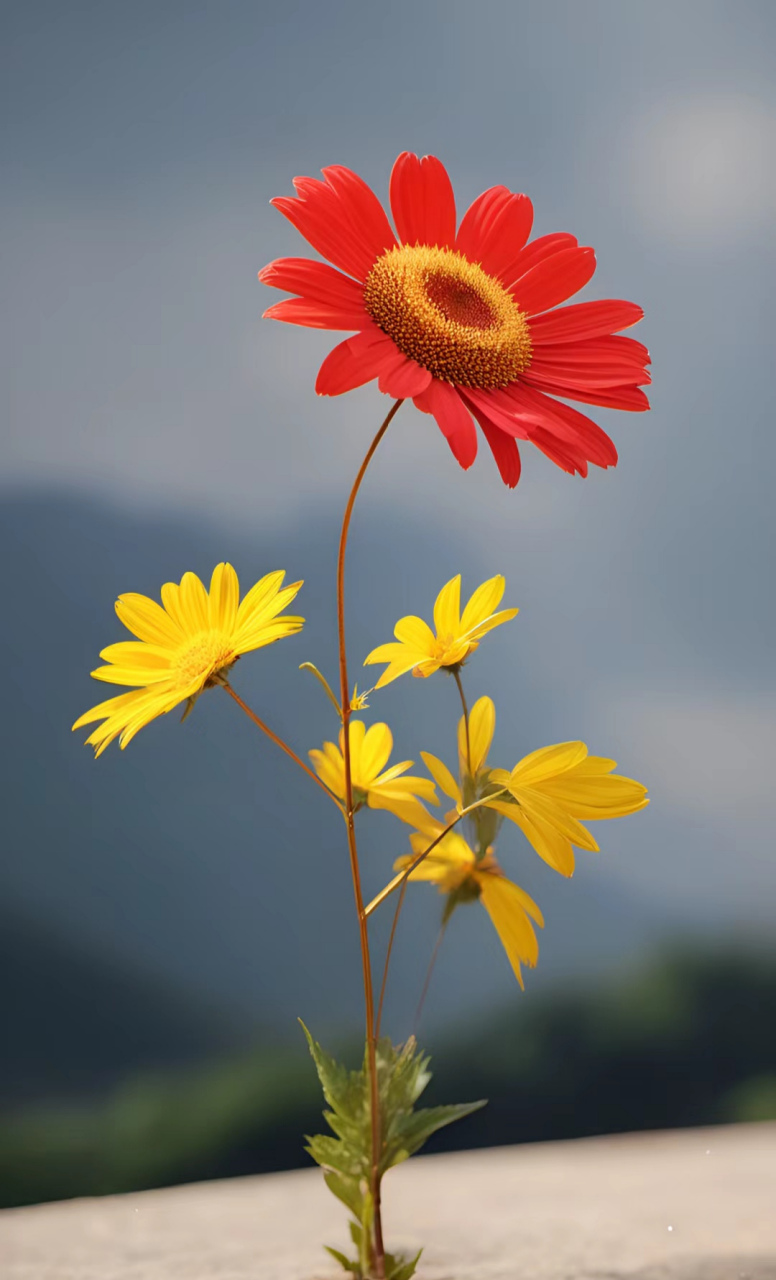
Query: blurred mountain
point(76, 1020)
point(687, 1040)
point(198, 855)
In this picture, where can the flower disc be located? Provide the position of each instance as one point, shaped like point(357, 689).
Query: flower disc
point(449, 315)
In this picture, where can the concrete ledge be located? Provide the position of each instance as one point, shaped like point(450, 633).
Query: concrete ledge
point(694, 1205)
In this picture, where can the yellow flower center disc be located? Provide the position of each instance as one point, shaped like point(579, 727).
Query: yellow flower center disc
point(206, 652)
point(449, 315)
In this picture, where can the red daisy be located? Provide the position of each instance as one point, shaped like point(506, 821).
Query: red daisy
point(466, 323)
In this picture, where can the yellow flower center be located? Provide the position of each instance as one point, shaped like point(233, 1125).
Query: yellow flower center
point(449, 315)
point(203, 655)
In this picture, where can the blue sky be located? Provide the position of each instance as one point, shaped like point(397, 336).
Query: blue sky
point(141, 147)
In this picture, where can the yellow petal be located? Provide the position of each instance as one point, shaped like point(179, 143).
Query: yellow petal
point(223, 599)
point(375, 751)
point(110, 707)
point(172, 604)
point(483, 602)
point(407, 808)
point(137, 654)
point(482, 724)
point(552, 847)
point(415, 633)
point(390, 652)
point(447, 608)
point(267, 633)
point(597, 796)
point(399, 668)
point(329, 772)
point(148, 620)
point(547, 762)
point(442, 776)
point(259, 595)
point(495, 620)
point(553, 813)
point(356, 737)
point(506, 905)
point(193, 601)
point(398, 788)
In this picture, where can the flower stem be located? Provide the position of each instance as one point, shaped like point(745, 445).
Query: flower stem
point(388, 952)
point(274, 737)
point(459, 682)
point(371, 1043)
point(404, 875)
point(429, 971)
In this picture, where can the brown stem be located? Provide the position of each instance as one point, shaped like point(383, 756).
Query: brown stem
point(404, 875)
point(384, 982)
point(459, 682)
point(274, 737)
point(374, 1091)
point(427, 983)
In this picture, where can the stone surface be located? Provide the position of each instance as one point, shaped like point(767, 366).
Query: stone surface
point(695, 1205)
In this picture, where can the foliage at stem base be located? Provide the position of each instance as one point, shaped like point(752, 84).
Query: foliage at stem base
point(346, 1157)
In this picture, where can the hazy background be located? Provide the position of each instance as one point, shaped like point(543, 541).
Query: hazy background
point(189, 897)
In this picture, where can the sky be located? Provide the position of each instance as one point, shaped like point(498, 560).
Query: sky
point(140, 150)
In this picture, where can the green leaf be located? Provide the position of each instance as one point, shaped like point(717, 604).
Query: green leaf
point(398, 1268)
point(414, 1130)
point(344, 1262)
point(346, 1189)
point(342, 1089)
point(333, 1153)
point(346, 1153)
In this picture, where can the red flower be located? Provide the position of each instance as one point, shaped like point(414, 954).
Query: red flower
point(460, 322)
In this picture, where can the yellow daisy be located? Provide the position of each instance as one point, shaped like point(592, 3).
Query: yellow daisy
point(184, 645)
point(373, 784)
point(453, 867)
point(551, 789)
point(422, 651)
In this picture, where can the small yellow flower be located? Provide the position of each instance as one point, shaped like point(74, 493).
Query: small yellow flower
point(183, 646)
point(554, 787)
point(423, 652)
point(373, 784)
point(452, 866)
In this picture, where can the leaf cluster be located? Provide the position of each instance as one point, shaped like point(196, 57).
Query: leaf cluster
point(345, 1155)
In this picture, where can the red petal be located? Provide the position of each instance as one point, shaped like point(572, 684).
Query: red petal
point(565, 423)
point(479, 218)
point(367, 214)
point(590, 352)
point(403, 378)
point(585, 320)
point(497, 407)
point(353, 362)
point(538, 251)
point(552, 376)
point(316, 315)
point(496, 231)
point(563, 455)
point(453, 419)
point(504, 449)
point(554, 279)
point(314, 280)
point(422, 201)
point(340, 219)
point(624, 397)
